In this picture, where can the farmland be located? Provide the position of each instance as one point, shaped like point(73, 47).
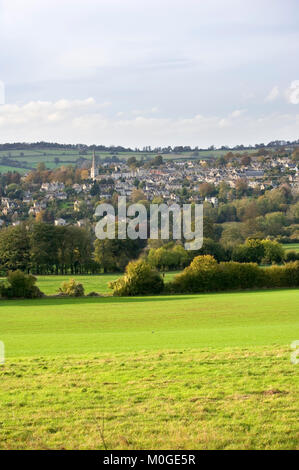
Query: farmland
point(182, 372)
point(54, 158)
point(49, 285)
point(291, 247)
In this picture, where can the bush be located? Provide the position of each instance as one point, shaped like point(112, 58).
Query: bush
point(72, 288)
point(20, 285)
point(234, 276)
point(251, 252)
point(205, 275)
point(139, 279)
point(283, 276)
point(291, 256)
point(93, 294)
point(258, 251)
point(200, 276)
point(273, 252)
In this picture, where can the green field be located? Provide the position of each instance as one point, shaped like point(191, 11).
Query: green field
point(7, 169)
point(183, 372)
point(68, 156)
point(49, 285)
point(292, 247)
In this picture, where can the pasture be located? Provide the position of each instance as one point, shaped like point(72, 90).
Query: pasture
point(49, 285)
point(291, 247)
point(183, 372)
point(69, 156)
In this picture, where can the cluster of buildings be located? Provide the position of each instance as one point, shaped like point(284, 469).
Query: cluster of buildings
point(165, 181)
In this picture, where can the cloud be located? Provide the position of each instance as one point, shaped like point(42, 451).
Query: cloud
point(141, 112)
point(86, 121)
point(273, 94)
point(2, 93)
point(228, 121)
point(237, 113)
point(292, 92)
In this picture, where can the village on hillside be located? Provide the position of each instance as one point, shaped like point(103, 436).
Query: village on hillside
point(69, 195)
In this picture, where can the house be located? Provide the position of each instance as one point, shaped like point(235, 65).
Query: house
point(212, 200)
point(60, 222)
point(77, 188)
point(52, 187)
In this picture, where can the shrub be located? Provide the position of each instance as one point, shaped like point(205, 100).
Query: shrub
point(72, 288)
point(93, 294)
point(234, 275)
point(200, 276)
point(291, 256)
point(20, 285)
point(205, 275)
point(251, 252)
point(283, 276)
point(139, 279)
point(273, 252)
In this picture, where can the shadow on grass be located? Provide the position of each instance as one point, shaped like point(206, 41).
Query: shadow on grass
point(120, 300)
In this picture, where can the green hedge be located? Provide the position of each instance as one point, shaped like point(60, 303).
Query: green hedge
point(205, 275)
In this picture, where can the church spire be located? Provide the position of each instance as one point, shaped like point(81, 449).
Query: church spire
point(94, 170)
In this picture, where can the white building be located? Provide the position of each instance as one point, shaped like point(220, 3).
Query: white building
point(60, 222)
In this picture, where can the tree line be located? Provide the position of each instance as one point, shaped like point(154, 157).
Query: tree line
point(42, 248)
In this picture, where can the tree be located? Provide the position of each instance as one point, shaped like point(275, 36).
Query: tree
point(273, 252)
point(206, 189)
point(295, 155)
point(241, 187)
point(251, 252)
point(137, 195)
point(44, 248)
point(246, 160)
point(210, 247)
point(223, 191)
point(132, 162)
point(232, 234)
point(41, 167)
point(14, 248)
point(114, 255)
point(226, 213)
point(139, 279)
point(157, 161)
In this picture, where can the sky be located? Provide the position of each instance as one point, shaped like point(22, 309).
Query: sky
point(147, 72)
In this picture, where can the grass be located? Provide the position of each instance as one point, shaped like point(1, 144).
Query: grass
point(183, 372)
point(50, 284)
point(7, 169)
point(291, 247)
point(69, 156)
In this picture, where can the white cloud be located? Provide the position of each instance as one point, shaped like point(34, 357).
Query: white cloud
point(237, 113)
point(141, 112)
point(2, 93)
point(83, 121)
point(273, 94)
point(292, 92)
point(229, 120)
